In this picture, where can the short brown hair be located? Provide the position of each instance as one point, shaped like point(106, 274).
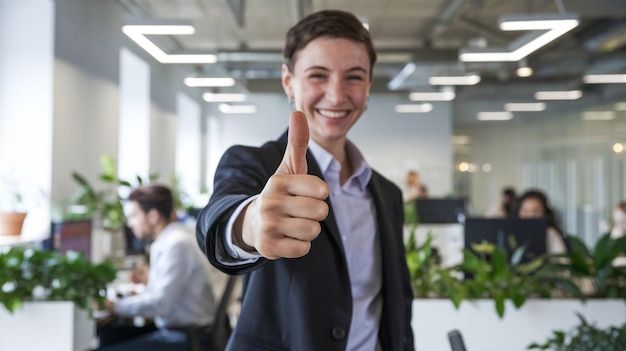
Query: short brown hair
point(329, 24)
point(158, 197)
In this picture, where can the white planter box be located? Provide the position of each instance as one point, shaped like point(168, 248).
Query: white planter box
point(46, 325)
point(483, 330)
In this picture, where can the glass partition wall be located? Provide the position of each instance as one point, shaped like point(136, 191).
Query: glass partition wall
point(578, 159)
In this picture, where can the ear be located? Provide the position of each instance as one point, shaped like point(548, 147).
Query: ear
point(153, 216)
point(286, 78)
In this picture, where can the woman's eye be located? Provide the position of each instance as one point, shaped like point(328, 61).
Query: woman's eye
point(317, 76)
point(359, 78)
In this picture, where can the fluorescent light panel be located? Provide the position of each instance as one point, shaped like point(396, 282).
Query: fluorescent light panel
point(604, 78)
point(238, 109)
point(525, 106)
point(620, 106)
point(559, 95)
point(454, 80)
point(209, 82)
point(432, 96)
point(598, 115)
point(414, 108)
point(213, 97)
point(494, 116)
point(138, 34)
point(554, 26)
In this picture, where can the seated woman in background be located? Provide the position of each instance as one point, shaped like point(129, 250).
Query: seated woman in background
point(505, 206)
point(619, 220)
point(534, 204)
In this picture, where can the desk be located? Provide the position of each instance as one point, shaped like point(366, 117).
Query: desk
point(17, 240)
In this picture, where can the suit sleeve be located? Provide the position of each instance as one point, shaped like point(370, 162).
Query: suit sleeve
point(241, 173)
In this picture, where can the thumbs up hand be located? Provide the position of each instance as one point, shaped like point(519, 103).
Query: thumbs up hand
point(285, 218)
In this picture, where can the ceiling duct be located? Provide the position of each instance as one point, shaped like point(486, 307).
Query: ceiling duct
point(237, 9)
point(611, 37)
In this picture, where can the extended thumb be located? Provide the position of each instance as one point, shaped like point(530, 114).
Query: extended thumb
point(294, 160)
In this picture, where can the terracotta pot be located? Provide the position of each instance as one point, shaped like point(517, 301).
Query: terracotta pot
point(11, 223)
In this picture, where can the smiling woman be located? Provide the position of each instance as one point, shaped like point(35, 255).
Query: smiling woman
point(328, 262)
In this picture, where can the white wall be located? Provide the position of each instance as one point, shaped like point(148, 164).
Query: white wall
point(392, 143)
point(188, 145)
point(87, 95)
point(26, 105)
point(395, 143)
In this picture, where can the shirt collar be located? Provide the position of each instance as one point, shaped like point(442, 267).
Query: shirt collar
point(362, 171)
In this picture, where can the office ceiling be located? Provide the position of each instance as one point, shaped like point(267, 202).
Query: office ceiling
point(248, 37)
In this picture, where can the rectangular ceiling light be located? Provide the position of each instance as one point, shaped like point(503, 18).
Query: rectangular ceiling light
point(620, 106)
point(472, 79)
point(213, 97)
point(494, 116)
point(598, 115)
point(209, 82)
point(545, 29)
point(461, 140)
point(237, 109)
point(138, 34)
point(525, 106)
point(604, 78)
point(414, 108)
point(559, 95)
point(432, 96)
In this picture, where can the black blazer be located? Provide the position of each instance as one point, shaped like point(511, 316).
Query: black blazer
point(305, 303)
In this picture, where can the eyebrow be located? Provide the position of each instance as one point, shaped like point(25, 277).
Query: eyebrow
point(353, 69)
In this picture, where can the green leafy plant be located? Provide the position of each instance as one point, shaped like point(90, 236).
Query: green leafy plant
point(427, 277)
point(494, 276)
point(35, 275)
point(585, 337)
point(107, 203)
point(182, 200)
point(593, 266)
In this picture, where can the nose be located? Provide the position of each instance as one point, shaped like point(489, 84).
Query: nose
point(335, 91)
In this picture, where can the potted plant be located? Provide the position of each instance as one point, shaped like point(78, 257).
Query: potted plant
point(38, 286)
point(105, 208)
point(540, 295)
point(15, 198)
point(585, 336)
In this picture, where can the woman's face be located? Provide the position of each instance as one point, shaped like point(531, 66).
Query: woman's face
point(531, 208)
point(330, 83)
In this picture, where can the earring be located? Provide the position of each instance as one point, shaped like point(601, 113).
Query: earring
point(291, 102)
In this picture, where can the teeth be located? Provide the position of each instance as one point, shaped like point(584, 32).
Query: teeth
point(333, 114)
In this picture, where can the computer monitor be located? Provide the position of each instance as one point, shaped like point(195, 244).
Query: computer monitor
point(73, 235)
point(439, 211)
point(497, 231)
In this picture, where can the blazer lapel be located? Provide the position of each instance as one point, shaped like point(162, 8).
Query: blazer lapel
point(390, 329)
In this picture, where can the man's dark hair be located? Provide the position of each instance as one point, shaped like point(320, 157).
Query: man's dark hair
point(328, 24)
point(158, 197)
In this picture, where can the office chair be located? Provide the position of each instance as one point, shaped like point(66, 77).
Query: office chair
point(456, 340)
point(218, 332)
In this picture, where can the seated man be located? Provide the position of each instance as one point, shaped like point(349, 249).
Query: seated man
point(178, 291)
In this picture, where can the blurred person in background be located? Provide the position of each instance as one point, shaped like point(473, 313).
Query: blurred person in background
point(534, 204)
point(178, 292)
point(505, 207)
point(619, 220)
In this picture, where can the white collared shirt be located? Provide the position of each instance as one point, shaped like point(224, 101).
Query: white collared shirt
point(179, 291)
